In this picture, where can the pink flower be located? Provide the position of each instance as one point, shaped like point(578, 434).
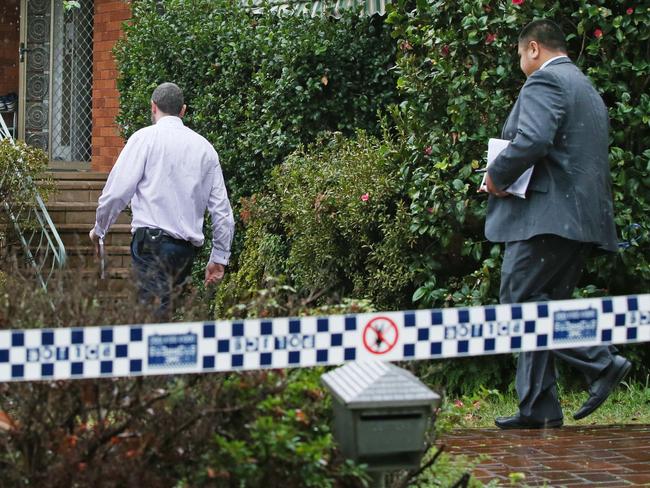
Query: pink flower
point(598, 33)
point(428, 150)
point(444, 50)
point(430, 210)
point(458, 403)
point(517, 2)
point(629, 11)
point(365, 197)
point(490, 38)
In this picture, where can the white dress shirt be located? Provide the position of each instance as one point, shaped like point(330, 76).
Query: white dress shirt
point(549, 61)
point(171, 175)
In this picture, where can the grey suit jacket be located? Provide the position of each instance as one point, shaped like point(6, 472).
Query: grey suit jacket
point(560, 125)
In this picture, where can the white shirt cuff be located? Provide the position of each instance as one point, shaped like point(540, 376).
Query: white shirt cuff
point(219, 257)
point(99, 232)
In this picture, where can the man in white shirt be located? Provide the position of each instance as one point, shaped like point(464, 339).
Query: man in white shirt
point(171, 175)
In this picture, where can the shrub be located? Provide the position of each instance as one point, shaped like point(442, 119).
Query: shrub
point(20, 166)
point(332, 222)
point(18, 163)
point(235, 429)
point(257, 84)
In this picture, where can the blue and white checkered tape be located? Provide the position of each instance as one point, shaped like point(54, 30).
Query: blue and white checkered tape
point(204, 347)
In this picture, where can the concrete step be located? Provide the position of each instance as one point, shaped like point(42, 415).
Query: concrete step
point(117, 257)
point(77, 175)
point(76, 235)
point(80, 262)
point(80, 191)
point(78, 213)
point(118, 279)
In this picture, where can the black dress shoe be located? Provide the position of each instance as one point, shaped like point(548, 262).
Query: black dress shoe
point(518, 422)
point(603, 386)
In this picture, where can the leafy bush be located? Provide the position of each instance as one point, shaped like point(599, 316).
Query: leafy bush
point(257, 84)
point(238, 429)
point(332, 222)
point(18, 163)
point(20, 166)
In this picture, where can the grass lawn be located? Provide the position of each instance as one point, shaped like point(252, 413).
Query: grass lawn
point(628, 404)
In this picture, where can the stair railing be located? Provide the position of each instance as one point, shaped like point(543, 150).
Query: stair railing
point(42, 245)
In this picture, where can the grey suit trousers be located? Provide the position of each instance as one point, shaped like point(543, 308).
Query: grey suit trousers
point(547, 267)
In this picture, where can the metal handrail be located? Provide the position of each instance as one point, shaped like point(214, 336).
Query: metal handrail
point(42, 244)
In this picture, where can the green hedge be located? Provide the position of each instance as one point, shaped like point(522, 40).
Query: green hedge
point(459, 76)
point(257, 85)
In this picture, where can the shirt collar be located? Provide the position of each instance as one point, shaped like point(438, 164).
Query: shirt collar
point(553, 59)
point(170, 120)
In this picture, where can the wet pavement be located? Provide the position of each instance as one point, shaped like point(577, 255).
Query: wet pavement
point(599, 456)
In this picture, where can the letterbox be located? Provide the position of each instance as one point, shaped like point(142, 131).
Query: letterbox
point(381, 414)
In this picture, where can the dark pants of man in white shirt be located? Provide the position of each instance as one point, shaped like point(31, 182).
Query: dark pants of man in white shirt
point(162, 266)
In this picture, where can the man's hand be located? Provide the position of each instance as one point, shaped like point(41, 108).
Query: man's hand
point(214, 273)
point(492, 189)
point(95, 239)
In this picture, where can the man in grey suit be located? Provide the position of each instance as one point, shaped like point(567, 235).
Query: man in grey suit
point(559, 125)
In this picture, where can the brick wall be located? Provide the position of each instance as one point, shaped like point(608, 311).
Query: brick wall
point(9, 42)
point(106, 140)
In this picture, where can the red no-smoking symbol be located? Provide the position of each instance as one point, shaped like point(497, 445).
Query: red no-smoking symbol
point(380, 335)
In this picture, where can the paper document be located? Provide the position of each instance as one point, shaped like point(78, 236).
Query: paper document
point(519, 187)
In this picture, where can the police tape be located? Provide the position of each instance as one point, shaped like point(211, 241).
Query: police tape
point(205, 347)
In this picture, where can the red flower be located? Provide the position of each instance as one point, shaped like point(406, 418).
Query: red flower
point(517, 2)
point(444, 50)
point(491, 38)
point(598, 33)
point(629, 11)
point(459, 403)
point(428, 150)
point(365, 197)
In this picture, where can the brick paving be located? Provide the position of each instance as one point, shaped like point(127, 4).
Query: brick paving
point(599, 456)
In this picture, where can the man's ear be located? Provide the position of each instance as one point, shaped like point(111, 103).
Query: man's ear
point(154, 107)
point(182, 112)
point(534, 49)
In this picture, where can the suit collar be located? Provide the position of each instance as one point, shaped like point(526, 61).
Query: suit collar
point(556, 60)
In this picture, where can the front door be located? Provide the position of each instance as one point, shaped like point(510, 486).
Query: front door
point(56, 79)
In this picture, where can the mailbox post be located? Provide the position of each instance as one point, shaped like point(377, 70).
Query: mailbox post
point(381, 415)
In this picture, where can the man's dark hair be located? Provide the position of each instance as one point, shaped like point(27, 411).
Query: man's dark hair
point(169, 98)
point(546, 32)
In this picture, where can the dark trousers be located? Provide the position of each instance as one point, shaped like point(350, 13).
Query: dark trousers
point(161, 270)
point(547, 267)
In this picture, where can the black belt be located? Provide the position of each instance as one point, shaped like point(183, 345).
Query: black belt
point(151, 236)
